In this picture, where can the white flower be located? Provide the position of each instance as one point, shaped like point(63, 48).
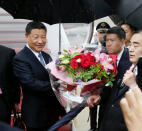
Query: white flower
point(109, 59)
point(107, 84)
point(61, 56)
point(66, 61)
point(108, 73)
point(78, 60)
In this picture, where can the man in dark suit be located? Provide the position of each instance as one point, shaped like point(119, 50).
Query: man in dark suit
point(40, 108)
point(131, 104)
point(9, 87)
point(135, 53)
point(111, 116)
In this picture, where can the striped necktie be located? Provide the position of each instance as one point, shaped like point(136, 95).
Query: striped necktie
point(41, 59)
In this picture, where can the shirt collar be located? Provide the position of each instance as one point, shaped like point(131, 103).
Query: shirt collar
point(120, 54)
point(36, 53)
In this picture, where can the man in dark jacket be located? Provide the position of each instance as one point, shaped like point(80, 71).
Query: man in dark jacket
point(9, 87)
point(40, 107)
point(111, 114)
point(135, 53)
point(131, 104)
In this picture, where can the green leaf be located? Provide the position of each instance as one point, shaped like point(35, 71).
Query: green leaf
point(65, 51)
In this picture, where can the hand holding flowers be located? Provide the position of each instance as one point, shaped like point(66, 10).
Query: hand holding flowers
point(90, 70)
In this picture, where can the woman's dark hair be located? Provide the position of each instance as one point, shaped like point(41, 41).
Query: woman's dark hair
point(118, 31)
point(34, 25)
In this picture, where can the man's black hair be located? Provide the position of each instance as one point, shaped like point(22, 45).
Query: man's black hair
point(133, 28)
point(34, 25)
point(118, 31)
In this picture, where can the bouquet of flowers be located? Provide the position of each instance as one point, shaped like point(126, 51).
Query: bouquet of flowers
point(87, 69)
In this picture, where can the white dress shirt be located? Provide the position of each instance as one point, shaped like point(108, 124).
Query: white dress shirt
point(35, 53)
point(119, 56)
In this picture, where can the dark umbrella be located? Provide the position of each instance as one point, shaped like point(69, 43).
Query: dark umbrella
point(68, 117)
point(57, 11)
point(128, 10)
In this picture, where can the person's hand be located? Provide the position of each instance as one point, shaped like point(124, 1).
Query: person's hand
point(129, 79)
point(93, 100)
point(131, 107)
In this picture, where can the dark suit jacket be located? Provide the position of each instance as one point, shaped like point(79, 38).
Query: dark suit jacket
point(40, 108)
point(8, 82)
point(113, 117)
point(139, 76)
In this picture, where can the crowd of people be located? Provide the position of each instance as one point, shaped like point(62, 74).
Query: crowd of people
point(118, 108)
point(125, 42)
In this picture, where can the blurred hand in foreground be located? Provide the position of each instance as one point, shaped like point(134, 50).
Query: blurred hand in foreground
point(131, 107)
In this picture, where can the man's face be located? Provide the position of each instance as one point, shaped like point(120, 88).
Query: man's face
point(113, 44)
point(101, 36)
point(36, 39)
point(135, 50)
point(128, 31)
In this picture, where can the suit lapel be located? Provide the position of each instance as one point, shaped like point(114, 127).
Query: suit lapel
point(122, 59)
point(47, 59)
point(123, 65)
point(34, 59)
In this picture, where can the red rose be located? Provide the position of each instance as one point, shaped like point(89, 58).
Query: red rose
point(74, 64)
point(101, 68)
point(89, 53)
point(78, 56)
point(91, 59)
point(85, 62)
